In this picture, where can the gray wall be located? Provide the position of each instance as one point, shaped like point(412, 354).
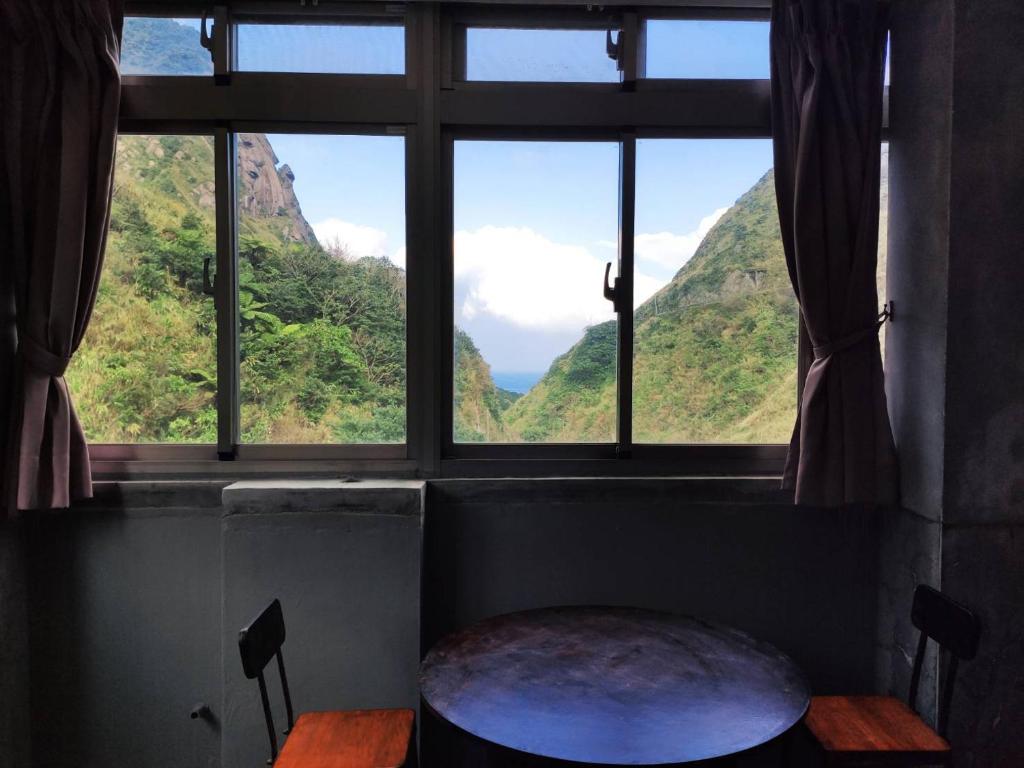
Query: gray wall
point(135, 601)
point(15, 721)
point(983, 511)
point(732, 551)
point(956, 352)
point(920, 121)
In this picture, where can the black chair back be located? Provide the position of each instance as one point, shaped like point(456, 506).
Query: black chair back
point(258, 643)
point(954, 628)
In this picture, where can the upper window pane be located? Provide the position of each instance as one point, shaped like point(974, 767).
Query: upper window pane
point(716, 320)
point(535, 340)
point(357, 49)
point(321, 247)
point(707, 49)
point(147, 369)
point(161, 46)
point(538, 55)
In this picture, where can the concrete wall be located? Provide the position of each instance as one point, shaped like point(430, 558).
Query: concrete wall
point(983, 512)
point(920, 135)
point(955, 355)
point(135, 601)
point(15, 719)
point(733, 551)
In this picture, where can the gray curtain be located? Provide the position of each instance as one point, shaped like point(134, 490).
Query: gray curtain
point(59, 99)
point(828, 62)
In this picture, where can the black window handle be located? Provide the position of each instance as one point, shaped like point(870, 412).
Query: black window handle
point(611, 291)
point(208, 288)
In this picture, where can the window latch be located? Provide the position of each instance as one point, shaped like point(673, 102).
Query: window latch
point(208, 288)
point(611, 291)
point(206, 36)
point(614, 48)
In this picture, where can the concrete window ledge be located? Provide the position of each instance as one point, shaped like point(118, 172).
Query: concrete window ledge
point(376, 497)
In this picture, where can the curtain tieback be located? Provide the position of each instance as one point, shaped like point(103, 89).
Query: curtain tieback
point(853, 339)
point(40, 358)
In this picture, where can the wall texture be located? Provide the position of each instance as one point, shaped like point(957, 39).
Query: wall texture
point(920, 134)
point(136, 598)
point(955, 357)
point(983, 512)
point(731, 551)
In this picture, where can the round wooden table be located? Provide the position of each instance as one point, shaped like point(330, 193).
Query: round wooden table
point(613, 686)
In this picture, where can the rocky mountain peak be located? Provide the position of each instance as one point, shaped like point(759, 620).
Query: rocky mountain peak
point(266, 191)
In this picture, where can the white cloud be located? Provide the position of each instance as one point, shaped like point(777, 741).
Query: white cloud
point(669, 250)
point(357, 240)
point(520, 276)
point(398, 258)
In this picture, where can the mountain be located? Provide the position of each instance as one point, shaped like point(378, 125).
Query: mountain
point(479, 404)
point(323, 333)
point(714, 350)
point(162, 46)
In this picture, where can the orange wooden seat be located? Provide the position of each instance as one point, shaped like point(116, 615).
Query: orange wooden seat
point(357, 738)
point(360, 738)
point(878, 729)
point(881, 730)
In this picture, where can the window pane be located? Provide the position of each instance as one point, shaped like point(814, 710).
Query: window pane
point(707, 49)
point(358, 49)
point(154, 46)
point(716, 320)
point(147, 369)
point(539, 55)
point(535, 341)
point(322, 288)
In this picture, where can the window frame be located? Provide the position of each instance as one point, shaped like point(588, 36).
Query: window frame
point(432, 107)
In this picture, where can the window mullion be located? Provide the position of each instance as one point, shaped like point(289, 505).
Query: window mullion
point(624, 292)
point(632, 48)
point(226, 297)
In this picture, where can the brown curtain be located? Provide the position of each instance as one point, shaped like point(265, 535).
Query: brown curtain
point(828, 61)
point(59, 98)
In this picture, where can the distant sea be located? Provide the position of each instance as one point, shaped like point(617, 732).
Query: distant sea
point(517, 381)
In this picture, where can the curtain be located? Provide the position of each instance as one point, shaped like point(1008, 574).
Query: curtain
point(828, 64)
point(59, 99)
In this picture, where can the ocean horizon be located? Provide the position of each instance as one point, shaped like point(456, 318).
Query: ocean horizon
point(520, 382)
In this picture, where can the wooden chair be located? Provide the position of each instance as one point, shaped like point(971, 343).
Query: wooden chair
point(364, 738)
point(882, 730)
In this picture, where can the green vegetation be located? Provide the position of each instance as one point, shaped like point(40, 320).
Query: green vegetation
point(323, 335)
point(479, 405)
point(714, 352)
point(162, 46)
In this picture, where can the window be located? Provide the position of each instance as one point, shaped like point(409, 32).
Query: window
point(321, 222)
point(163, 46)
point(715, 329)
point(147, 368)
point(377, 241)
point(535, 341)
point(692, 48)
point(367, 48)
point(538, 55)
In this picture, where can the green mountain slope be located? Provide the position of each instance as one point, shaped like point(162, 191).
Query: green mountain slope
point(479, 405)
point(323, 335)
point(162, 46)
point(715, 349)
